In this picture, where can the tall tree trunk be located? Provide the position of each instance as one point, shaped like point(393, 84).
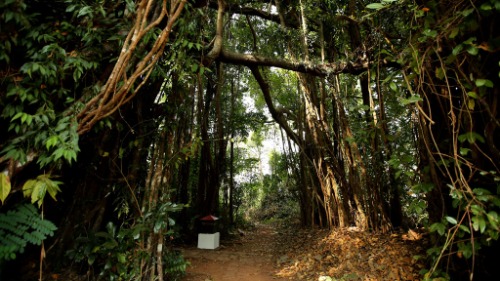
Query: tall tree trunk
point(354, 163)
point(329, 173)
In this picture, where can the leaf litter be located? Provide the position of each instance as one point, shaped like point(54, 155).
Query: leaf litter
point(294, 253)
point(348, 254)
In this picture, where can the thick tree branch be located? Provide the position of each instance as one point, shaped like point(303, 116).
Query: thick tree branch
point(249, 11)
point(219, 35)
point(314, 69)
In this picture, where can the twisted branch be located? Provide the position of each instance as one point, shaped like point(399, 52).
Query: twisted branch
point(118, 88)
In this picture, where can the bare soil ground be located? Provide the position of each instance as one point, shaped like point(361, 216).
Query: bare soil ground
point(249, 257)
point(267, 253)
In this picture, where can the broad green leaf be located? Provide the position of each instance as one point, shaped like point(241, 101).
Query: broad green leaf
point(475, 223)
point(481, 191)
point(38, 193)
point(37, 188)
point(122, 258)
point(486, 7)
point(457, 49)
point(476, 209)
point(473, 50)
point(28, 187)
point(87, 10)
point(375, 6)
point(464, 151)
point(465, 249)
point(18, 115)
point(493, 219)
point(451, 220)
point(470, 40)
point(472, 95)
point(412, 99)
point(438, 227)
point(5, 187)
point(484, 82)
point(482, 224)
point(464, 228)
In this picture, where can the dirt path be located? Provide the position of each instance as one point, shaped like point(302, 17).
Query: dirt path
point(250, 258)
point(294, 253)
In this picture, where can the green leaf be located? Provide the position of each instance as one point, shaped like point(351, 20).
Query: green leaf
point(470, 40)
point(457, 49)
point(451, 220)
point(5, 187)
point(28, 187)
point(493, 219)
point(476, 209)
point(53, 189)
point(471, 104)
point(38, 193)
point(464, 228)
point(18, 115)
point(194, 67)
point(472, 95)
point(484, 82)
point(440, 73)
point(58, 153)
point(412, 99)
point(486, 7)
point(87, 10)
point(122, 258)
point(438, 227)
point(466, 249)
point(37, 188)
point(478, 223)
point(453, 33)
point(375, 6)
point(52, 141)
point(464, 151)
point(430, 33)
point(23, 118)
point(481, 191)
point(473, 50)
point(470, 137)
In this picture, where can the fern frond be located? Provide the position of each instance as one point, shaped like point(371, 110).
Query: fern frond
point(21, 226)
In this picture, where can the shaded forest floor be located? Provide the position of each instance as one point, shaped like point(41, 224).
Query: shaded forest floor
point(275, 253)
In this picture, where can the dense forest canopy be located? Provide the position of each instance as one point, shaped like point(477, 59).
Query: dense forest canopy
point(131, 117)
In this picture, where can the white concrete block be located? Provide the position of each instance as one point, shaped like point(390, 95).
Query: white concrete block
point(208, 240)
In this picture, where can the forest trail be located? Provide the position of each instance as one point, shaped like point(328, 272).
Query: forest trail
point(269, 253)
point(251, 257)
